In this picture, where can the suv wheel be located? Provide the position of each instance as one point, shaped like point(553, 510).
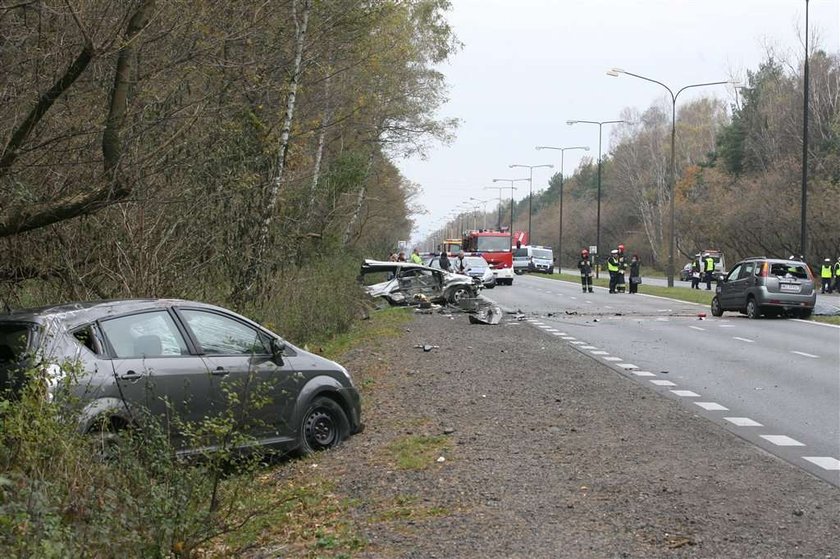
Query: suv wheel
point(324, 426)
point(716, 308)
point(753, 310)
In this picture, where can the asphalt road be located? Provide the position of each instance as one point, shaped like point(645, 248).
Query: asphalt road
point(774, 382)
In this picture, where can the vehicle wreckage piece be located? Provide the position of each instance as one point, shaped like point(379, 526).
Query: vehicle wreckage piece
point(486, 313)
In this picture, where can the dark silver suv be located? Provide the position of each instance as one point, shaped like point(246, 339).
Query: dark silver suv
point(183, 361)
point(766, 286)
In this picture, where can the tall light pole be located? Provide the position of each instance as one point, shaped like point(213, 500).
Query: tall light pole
point(600, 124)
point(484, 206)
point(530, 189)
point(803, 231)
point(560, 234)
point(512, 188)
point(615, 72)
point(499, 188)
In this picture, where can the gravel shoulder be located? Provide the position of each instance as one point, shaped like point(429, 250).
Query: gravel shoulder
point(547, 453)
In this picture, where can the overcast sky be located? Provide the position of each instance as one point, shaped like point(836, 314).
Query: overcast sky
point(528, 66)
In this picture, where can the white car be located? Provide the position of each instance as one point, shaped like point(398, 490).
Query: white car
point(404, 280)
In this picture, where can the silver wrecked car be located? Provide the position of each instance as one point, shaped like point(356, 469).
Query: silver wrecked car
point(182, 362)
point(404, 280)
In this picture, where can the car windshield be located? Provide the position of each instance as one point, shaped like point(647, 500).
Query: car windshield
point(493, 244)
point(542, 253)
point(475, 262)
point(520, 253)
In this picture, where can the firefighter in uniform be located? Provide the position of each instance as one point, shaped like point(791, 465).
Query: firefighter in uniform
point(709, 268)
point(612, 268)
point(825, 275)
point(585, 267)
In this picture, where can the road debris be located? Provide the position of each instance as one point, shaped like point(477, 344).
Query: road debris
point(426, 347)
point(487, 313)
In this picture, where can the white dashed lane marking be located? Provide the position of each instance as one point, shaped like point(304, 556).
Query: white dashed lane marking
point(577, 342)
point(627, 366)
point(743, 422)
point(662, 383)
point(803, 354)
point(600, 352)
point(643, 374)
point(686, 393)
point(712, 406)
point(824, 462)
point(612, 358)
point(749, 341)
point(569, 338)
point(727, 326)
point(697, 328)
point(781, 440)
point(588, 347)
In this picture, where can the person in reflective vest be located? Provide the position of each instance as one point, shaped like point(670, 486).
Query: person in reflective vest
point(709, 268)
point(837, 275)
point(612, 268)
point(585, 267)
point(825, 275)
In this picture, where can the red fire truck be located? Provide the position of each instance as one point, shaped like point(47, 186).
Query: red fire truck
point(494, 246)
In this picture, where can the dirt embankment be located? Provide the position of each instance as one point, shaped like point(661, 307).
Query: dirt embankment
point(528, 448)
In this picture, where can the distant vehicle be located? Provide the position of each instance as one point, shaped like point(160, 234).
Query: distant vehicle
point(494, 247)
point(452, 246)
point(404, 280)
point(178, 361)
point(767, 286)
point(533, 259)
point(685, 273)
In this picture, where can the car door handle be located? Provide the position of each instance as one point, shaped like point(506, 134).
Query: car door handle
point(131, 375)
point(219, 372)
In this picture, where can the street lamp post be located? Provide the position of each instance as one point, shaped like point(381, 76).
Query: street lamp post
point(484, 209)
point(560, 234)
point(615, 72)
point(803, 231)
point(600, 124)
point(512, 188)
point(499, 188)
point(530, 189)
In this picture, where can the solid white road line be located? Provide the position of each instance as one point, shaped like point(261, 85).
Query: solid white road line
point(824, 462)
point(712, 406)
point(781, 440)
point(743, 422)
point(803, 354)
point(749, 341)
point(686, 393)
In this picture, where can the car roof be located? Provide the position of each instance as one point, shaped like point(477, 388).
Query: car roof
point(82, 312)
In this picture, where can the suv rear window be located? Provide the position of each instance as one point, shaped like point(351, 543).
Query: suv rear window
point(789, 269)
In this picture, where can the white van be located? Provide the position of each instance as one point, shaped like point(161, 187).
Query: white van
point(533, 259)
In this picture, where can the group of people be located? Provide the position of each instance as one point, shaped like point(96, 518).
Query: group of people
point(457, 265)
point(617, 266)
point(830, 273)
point(702, 268)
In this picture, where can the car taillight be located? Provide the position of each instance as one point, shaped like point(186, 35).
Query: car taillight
point(765, 270)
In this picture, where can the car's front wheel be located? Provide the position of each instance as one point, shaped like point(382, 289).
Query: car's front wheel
point(753, 310)
point(323, 426)
point(457, 294)
point(717, 310)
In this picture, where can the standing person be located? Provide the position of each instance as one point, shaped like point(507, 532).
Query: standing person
point(585, 267)
point(460, 266)
point(825, 275)
point(709, 268)
point(635, 274)
point(401, 256)
point(445, 265)
point(837, 275)
point(695, 274)
point(415, 256)
point(612, 268)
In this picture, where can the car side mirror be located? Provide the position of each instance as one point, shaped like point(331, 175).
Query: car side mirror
point(278, 347)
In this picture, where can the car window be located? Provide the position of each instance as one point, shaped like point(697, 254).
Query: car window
point(733, 274)
point(789, 270)
point(14, 339)
point(476, 262)
point(222, 335)
point(150, 334)
point(86, 336)
point(747, 269)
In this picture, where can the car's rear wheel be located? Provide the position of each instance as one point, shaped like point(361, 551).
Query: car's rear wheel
point(717, 310)
point(753, 310)
point(323, 426)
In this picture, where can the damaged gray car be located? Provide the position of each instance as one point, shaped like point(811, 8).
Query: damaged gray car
point(404, 283)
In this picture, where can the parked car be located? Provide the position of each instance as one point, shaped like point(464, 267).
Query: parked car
point(478, 268)
point(766, 286)
point(403, 280)
point(184, 361)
